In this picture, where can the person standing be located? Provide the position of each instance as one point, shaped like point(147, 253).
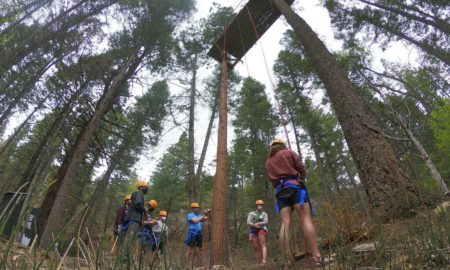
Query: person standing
point(286, 172)
point(133, 219)
point(161, 231)
point(121, 214)
point(194, 240)
point(257, 220)
point(146, 237)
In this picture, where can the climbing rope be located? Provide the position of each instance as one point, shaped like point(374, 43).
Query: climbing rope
point(272, 84)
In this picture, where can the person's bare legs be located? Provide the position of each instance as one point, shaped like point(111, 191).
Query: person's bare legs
point(262, 244)
point(256, 250)
point(304, 212)
point(197, 259)
point(285, 215)
point(187, 256)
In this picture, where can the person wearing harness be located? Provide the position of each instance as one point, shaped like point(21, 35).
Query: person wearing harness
point(133, 219)
point(146, 238)
point(285, 170)
point(121, 213)
point(194, 239)
point(257, 220)
point(161, 231)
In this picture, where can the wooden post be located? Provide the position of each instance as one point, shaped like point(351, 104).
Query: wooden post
point(220, 185)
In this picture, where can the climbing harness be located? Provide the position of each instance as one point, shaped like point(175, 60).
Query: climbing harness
point(288, 186)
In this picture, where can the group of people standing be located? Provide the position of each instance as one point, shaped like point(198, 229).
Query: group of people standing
point(135, 222)
point(136, 227)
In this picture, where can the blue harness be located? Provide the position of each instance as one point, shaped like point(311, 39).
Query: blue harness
point(127, 224)
point(146, 236)
point(302, 192)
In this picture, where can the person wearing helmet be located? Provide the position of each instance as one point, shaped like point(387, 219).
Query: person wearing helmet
point(133, 219)
point(146, 237)
point(121, 213)
point(257, 221)
point(286, 172)
point(194, 239)
point(161, 231)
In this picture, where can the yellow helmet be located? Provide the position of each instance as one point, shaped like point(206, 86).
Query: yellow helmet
point(127, 197)
point(162, 213)
point(259, 202)
point(141, 184)
point(277, 140)
point(153, 203)
point(195, 205)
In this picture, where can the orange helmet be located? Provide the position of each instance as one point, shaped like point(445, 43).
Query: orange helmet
point(277, 140)
point(195, 205)
point(259, 202)
point(141, 184)
point(153, 203)
point(127, 197)
point(162, 213)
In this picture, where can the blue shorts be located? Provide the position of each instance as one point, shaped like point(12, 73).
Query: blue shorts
point(194, 241)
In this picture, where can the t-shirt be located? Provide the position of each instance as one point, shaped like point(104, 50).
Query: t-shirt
point(161, 229)
point(257, 217)
point(196, 227)
point(283, 164)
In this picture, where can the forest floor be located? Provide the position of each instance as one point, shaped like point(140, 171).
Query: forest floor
point(418, 242)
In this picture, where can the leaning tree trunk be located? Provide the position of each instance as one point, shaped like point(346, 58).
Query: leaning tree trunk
point(52, 206)
point(220, 186)
point(205, 143)
point(423, 154)
point(390, 191)
point(191, 143)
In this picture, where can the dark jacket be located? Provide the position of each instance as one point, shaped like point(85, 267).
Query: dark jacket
point(121, 214)
point(136, 207)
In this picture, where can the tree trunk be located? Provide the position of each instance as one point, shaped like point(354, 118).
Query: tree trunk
point(191, 146)
point(52, 209)
point(424, 155)
point(205, 143)
point(220, 185)
point(391, 192)
point(52, 131)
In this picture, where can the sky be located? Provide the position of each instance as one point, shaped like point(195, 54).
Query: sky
point(253, 65)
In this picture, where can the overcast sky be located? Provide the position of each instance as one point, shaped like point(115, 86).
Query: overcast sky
point(317, 17)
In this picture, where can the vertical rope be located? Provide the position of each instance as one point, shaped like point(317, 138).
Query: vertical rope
point(272, 84)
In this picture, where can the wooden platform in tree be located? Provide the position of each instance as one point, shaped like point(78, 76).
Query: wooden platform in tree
point(240, 33)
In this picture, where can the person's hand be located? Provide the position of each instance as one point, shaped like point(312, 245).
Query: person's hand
point(205, 218)
point(256, 225)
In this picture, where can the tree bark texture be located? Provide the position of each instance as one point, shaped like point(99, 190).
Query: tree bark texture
point(192, 179)
point(52, 206)
point(220, 185)
point(390, 191)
